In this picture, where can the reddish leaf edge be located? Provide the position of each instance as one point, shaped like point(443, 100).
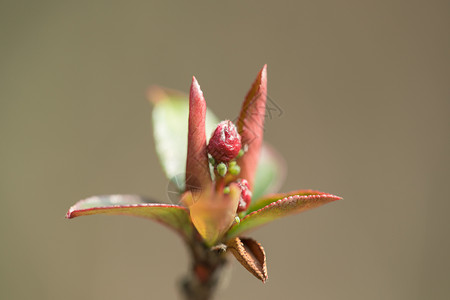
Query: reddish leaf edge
point(332, 197)
point(73, 212)
point(273, 197)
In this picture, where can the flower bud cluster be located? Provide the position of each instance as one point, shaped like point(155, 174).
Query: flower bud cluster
point(224, 147)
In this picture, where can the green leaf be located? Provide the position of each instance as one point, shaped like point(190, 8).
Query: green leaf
point(170, 127)
point(270, 173)
point(278, 209)
point(173, 216)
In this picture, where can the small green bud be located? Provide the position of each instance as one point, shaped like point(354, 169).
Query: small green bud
point(222, 169)
point(235, 170)
point(237, 219)
point(240, 153)
point(226, 190)
point(212, 160)
point(231, 164)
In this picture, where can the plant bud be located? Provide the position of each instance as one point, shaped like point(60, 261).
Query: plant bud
point(234, 170)
point(225, 142)
point(246, 196)
point(222, 169)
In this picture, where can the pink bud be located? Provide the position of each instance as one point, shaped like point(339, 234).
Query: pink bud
point(246, 195)
point(225, 142)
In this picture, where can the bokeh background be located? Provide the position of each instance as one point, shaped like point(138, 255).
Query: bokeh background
point(364, 91)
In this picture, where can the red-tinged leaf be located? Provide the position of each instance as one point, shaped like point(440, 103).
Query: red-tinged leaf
point(278, 209)
point(251, 255)
point(250, 125)
point(212, 213)
point(268, 199)
point(174, 216)
point(197, 165)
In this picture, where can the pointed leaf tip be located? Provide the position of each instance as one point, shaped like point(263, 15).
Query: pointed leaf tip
point(195, 83)
point(251, 255)
point(196, 93)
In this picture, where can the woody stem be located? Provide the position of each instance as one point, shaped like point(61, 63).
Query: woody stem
point(204, 274)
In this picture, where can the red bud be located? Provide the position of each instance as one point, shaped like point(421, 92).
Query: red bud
point(225, 142)
point(246, 195)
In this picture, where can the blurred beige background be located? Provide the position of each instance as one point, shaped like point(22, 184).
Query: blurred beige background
point(364, 90)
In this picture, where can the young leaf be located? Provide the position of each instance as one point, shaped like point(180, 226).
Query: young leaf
point(250, 125)
point(212, 213)
point(251, 255)
point(270, 198)
point(197, 165)
point(170, 114)
point(173, 216)
point(280, 208)
point(170, 119)
point(270, 172)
